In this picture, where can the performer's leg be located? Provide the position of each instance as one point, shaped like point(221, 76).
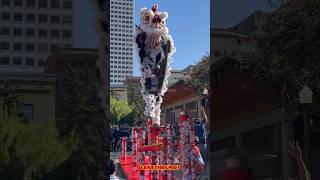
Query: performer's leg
point(203, 152)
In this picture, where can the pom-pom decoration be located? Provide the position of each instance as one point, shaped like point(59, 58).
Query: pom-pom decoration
point(169, 157)
point(134, 149)
point(141, 155)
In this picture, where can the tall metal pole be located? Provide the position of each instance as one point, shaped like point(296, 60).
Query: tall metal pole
point(306, 133)
point(305, 96)
point(286, 136)
point(285, 149)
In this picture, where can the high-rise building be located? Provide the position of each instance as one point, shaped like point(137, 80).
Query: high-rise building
point(30, 29)
point(121, 41)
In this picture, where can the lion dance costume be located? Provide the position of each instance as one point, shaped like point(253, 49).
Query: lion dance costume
point(155, 48)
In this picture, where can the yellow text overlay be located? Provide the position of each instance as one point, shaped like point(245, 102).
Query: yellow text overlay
point(160, 167)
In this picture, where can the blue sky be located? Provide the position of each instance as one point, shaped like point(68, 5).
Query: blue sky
point(189, 24)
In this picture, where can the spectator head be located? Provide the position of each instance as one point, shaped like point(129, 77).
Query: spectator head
point(195, 140)
point(176, 141)
point(196, 121)
point(176, 138)
point(112, 167)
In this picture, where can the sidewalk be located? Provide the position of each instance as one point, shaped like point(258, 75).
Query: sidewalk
point(206, 176)
point(115, 156)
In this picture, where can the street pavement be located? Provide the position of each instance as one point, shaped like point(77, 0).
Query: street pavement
point(115, 156)
point(206, 176)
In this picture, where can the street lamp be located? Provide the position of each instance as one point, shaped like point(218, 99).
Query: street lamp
point(305, 95)
point(205, 91)
point(305, 98)
point(204, 102)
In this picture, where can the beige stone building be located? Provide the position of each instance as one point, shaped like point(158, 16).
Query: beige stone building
point(227, 42)
point(120, 91)
point(36, 92)
point(177, 75)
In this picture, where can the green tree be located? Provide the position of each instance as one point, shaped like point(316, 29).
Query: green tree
point(135, 100)
point(287, 49)
point(86, 119)
point(8, 96)
point(200, 77)
point(29, 150)
point(121, 112)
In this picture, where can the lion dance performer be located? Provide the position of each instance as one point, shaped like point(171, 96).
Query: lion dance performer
point(155, 47)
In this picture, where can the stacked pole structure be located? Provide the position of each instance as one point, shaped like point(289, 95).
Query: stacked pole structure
point(134, 149)
point(141, 155)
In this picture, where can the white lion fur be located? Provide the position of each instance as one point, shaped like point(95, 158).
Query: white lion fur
point(152, 108)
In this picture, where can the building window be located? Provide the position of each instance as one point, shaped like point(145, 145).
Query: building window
point(5, 46)
point(18, 17)
point(67, 45)
point(5, 2)
point(30, 32)
point(42, 33)
point(17, 2)
point(43, 18)
point(17, 31)
point(5, 31)
point(31, 18)
point(261, 138)
point(67, 4)
point(55, 4)
point(4, 61)
point(53, 47)
point(42, 48)
point(54, 33)
point(43, 3)
point(55, 19)
point(17, 61)
point(31, 3)
point(42, 62)
point(17, 46)
point(66, 34)
point(67, 19)
point(30, 47)
point(27, 111)
point(29, 61)
point(5, 16)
